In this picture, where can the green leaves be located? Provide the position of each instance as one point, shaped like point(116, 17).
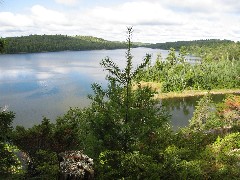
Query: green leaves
point(224, 156)
point(51, 43)
point(6, 119)
point(113, 69)
point(132, 165)
point(123, 117)
point(171, 58)
point(9, 163)
point(203, 112)
point(2, 44)
point(176, 74)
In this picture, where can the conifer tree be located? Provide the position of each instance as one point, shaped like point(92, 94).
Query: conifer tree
point(121, 116)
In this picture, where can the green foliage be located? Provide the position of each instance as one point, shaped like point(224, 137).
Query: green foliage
point(132, 165)
point(203, 113)
point(42, 142)
point(177, 167)
point(201, 156)
point(46, 163)
point(171, 58)
point(229, 110)
point(6, 119)
point(125, 129)
point(123, 117)
point(128, 123)
point(2, 45)
point(217, 52)
point(71, 131)
point(206, 149)
point(51, 43)
point(193, 142)
point(176, 74)
point(208, 116)
point(178, 44)
point(223, 157)
point(222, 74)
point(9, 163)
point(35, 138)
point(38, 143)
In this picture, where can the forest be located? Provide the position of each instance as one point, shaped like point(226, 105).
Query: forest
point(178, 44)
point(53, 43)
point(219, 68)
point(126, 131)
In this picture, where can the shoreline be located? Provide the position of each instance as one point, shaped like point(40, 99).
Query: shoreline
point(190, 93)
point(39, 52)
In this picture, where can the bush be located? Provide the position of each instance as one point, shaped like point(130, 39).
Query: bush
point(224, 157)
point(133, 165)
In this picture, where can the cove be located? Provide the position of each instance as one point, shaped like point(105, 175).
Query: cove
point(181, 108)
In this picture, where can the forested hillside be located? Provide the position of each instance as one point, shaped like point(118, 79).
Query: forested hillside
point(178, 44)
point(51, 43)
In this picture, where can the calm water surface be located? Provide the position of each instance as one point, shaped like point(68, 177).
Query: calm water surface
point(48, 84)
point(181, 109)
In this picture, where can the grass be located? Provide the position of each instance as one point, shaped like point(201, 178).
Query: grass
point(186, 93)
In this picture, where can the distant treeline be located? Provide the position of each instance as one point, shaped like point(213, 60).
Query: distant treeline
point(178, 44)
point(51, 43)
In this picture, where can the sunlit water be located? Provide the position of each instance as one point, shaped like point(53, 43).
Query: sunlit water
point(48, 84)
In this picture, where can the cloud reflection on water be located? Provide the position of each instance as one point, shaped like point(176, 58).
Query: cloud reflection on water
point(48, 84)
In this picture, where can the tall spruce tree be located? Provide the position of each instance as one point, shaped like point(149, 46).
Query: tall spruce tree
point(122, 117)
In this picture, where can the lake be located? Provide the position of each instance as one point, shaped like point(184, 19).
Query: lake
point(47, 84)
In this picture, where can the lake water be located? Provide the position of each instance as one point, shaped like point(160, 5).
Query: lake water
point(48, 84)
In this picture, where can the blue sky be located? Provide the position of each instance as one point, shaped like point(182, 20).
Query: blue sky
point(152, 20)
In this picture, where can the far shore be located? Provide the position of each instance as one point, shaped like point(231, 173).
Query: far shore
point(189, 93)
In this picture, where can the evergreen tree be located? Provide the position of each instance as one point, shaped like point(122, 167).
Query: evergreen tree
point(202, 114)
point(9, 163)
point(1, 45)
point(123, 117)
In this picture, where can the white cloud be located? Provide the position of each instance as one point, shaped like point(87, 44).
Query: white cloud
point(17, 20)
point(196, 6)
point(135, 13)
point(46, 16)
point(153, 20)
point(67, 2)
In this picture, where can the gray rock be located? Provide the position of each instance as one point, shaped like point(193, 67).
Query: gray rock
point(74, 165)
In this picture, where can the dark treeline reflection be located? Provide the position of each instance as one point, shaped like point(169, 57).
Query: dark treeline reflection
point(182, 108)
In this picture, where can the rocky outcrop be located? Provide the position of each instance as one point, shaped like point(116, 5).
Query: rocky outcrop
point(74, 165)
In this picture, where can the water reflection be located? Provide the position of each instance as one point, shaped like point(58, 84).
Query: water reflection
point(50, 92)
point(47, 84)
point(9, 88)
point(182, 109)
